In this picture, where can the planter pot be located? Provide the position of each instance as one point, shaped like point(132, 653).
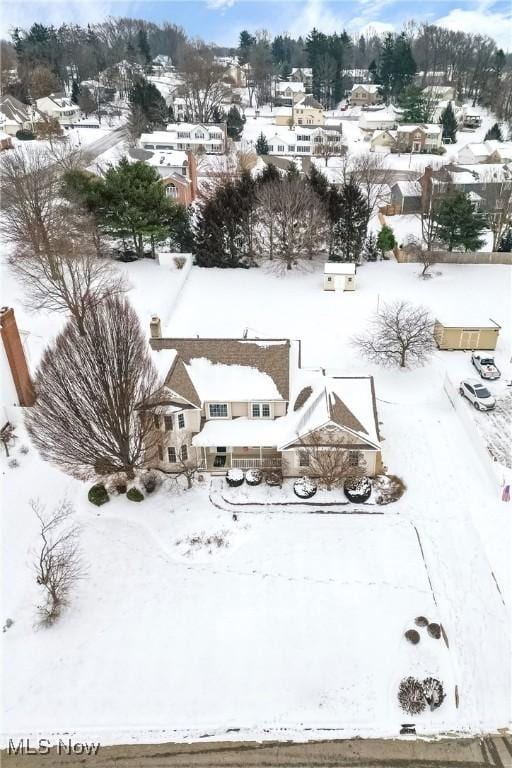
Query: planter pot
point(234, 478)
point(253, 477)
point(304, 488)
point(357, 489)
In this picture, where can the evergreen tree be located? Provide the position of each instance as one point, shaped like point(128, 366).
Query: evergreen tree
point(385, 240)
point(234, 124)
point(370, 250)
point(415, 106)
point(143, 46)
point(75, 91)
point(457, 222)
point(244, 48)
point(372, 70)
point(331, 203)
point(449, 123)
point(269, 173)
point(494, 133)
point(146, 95)
point(262, 147)
point(217, 115)
point(86, 102)
point(350, 228)
point(505, 245)
point(396, 67)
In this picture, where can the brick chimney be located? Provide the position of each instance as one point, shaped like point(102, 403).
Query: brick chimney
point(192, 170)
point(16, 357)
point(155, 327)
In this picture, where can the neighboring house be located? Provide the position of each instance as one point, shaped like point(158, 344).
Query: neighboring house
point(248, 403)
point(16, 116)
point(423, 137)
point(5, 141)
point(286, 94)
point(383, 141)
point(178, 171)
point(210, 138)
point(308, 111)
point(490, 151)
point(162, 63)
point(378, 120)
point(477, 334)
point(282, 116)
point(302, 75)
point(306, 140)
point(487, 185)
point(364, 94)
point(339, 276)
point(406, 197)
point(440, 92)
point(58, 105)
point(472, 117)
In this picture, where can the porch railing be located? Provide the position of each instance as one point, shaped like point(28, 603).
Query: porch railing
point(266, 462)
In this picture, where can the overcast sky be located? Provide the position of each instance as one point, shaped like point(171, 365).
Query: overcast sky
point(221, 20)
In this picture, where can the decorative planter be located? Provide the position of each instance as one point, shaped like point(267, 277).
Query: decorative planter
point(304, 488)
point(357, 489)
point(234, 478)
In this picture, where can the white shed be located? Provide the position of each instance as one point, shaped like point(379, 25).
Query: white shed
point(339, 276)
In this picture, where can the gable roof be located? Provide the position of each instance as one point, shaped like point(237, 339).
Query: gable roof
point(14, 109)
point(309, 101)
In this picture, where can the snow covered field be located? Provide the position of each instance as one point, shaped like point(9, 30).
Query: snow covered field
point(294, 621)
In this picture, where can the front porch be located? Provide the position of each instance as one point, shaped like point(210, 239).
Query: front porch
point(215, 460)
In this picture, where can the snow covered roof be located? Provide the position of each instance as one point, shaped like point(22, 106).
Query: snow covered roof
point(369, 87)
point(298, 87)
point(427, 127)
point(408, 188)
point(309, 101)
point(475, 320)
point(339, 268)
point(169, 157)
point(240, 432)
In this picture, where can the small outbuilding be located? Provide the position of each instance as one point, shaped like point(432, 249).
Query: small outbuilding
point(479, 335)
point(339, 276)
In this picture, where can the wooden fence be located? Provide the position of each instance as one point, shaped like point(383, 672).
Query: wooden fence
point(454, 257)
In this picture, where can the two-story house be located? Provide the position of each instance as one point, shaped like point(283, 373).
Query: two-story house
point(364, 95)
point(305, 140)
point(178, 171)
point(58, 105)
point(248, 403)
point(308, 111)
point(302, 75)
point(209, 138)
point(286, 94)
point(422, 137)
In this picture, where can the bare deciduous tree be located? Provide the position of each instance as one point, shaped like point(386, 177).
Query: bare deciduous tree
point(7, 436)
point(292, 225)
point(58, 563)
point(325, 459)
point(400, 334)
point(72, 278)
point(188, 461)
point(373, 178)
point(202, 88)
point(95, 395)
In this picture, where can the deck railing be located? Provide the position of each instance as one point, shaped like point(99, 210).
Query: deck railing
point(266, 462)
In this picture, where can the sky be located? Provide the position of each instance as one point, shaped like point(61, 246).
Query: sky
point(220, 21)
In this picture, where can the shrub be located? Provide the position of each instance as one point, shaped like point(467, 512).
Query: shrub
point(410, 696)
point(121, 487)
point(14, 463)
point(234, 477)
point(179, 262)
point(24, 449)
point(98, 495)
point(150, 481)
point(253, 476)
point(412, 636)
point(8, 624)
point(304, 488)
point(388, 488)
point(357, 489)
point(134, 495)
point(274, 477)
point(421, 621)
point(433, 692)
point(25, 135)
point(434, 630)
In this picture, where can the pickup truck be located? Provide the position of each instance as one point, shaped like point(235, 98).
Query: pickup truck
point(485, 366)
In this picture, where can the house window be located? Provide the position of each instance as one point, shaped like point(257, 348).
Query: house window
point(353, 458)
point(168, 423)
point(183, 135)
point(184, 453)
point(260, 410)
point(181, 421)
point(171, 191)
point(156, 421)
point(171, 455)
point(218, 410)
point(160, 453)
point(303, 459)
point(221, 449)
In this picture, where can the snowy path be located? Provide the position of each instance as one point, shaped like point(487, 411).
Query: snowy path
point(434, 455)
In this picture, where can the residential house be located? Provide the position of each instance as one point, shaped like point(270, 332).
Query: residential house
point(487, 185)
point(364, 95)
point(207, 137)
point(490, 151)
point(249, 403)
point(308, 111)
point(423, 137)
point(472, 117)
point(59, 106)
point(178, 170)
point(302, 75)
point(306, 140)
point(286, 94)
point(162, 63)
point(16, 116)
point(440, 92)
point(406, 197)
point(378, 119)
point(383, 141)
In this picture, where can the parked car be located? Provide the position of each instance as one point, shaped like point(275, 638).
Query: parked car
point(485, 366)
point(477, 394)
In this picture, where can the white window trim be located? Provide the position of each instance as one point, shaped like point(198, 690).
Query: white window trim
point(178, 420)
point(261, 403)
point(228, 406)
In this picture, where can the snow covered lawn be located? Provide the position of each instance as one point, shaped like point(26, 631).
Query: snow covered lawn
point(287, 622)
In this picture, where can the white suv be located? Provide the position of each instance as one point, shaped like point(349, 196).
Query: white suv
point(477, 394)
